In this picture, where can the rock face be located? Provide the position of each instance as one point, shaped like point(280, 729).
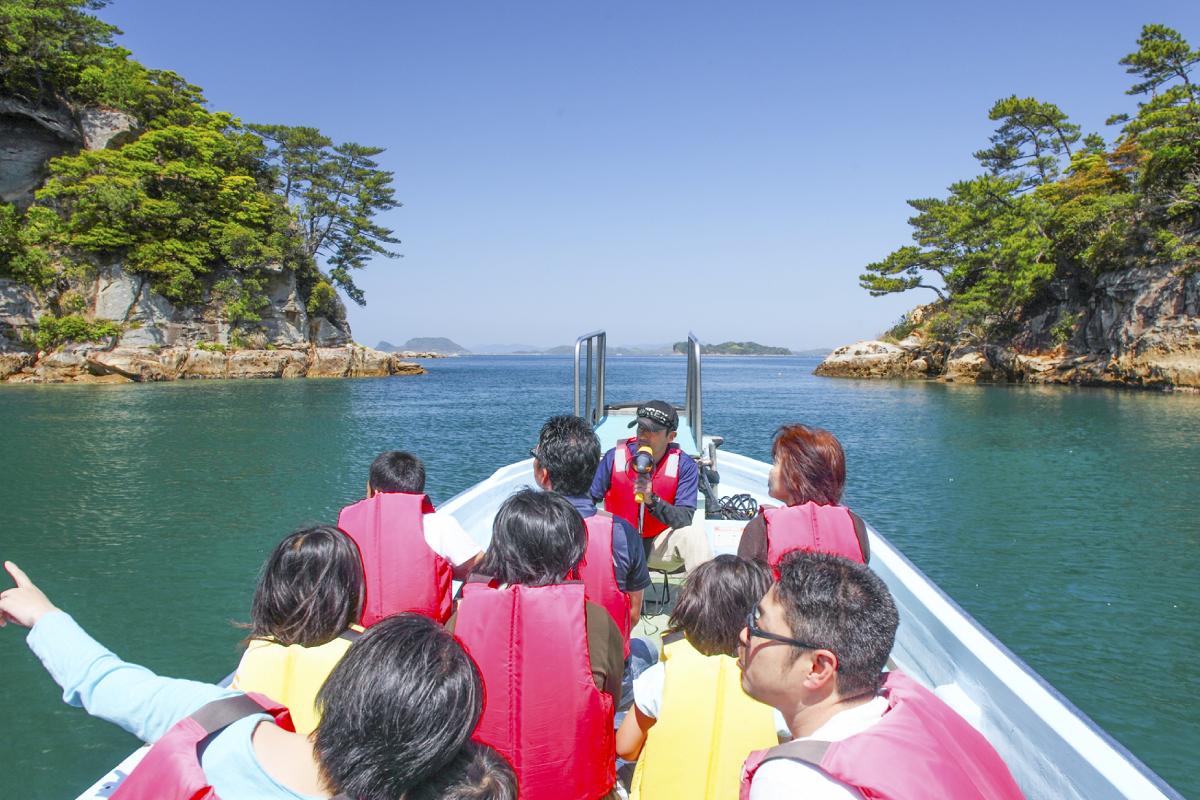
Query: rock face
point(1137, 327)
point(158, 340)
point(161, 341)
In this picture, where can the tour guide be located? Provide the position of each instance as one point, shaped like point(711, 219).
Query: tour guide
point(669, 493)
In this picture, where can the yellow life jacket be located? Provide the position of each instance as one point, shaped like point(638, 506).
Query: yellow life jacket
point(706, 727)
point(292, 674)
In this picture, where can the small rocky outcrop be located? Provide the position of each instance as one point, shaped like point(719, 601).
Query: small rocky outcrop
point(1137, 327)
point(159, 341)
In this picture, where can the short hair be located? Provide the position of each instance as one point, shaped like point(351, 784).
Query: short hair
point(569, 450)
point(397, 471)
point(309, 590)
point(538, 538)
point(812, 465)
point(477, 773)
point(396, 709)
point(714, 601)
point(844, 606)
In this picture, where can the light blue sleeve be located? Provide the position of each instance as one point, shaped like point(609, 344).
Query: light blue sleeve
point(133, 697)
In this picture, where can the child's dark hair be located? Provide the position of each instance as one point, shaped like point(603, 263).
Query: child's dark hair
point(309, 590)
point(714, 601)
point(477, 773)
point(537, 539)
point(397, 471)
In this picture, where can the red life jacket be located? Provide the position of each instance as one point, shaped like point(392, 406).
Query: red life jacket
point(541, 708)
point(812, 527)
point(402, 572)
point(919, 748)
point(599, 573)
point(172, 771)
point(618, 500)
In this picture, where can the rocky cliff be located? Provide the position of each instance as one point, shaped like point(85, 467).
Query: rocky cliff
point(1136, 327)
point(154, 339)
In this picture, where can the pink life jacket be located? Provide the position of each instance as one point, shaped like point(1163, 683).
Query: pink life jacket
point(618, 500)
point(401, 571)
point(811, 527)
point(599, 573)
point(172, 771)
point(541, 707)
point(919, 748)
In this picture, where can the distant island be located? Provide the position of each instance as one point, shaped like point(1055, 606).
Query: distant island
point(425, 344)
point(736, 349)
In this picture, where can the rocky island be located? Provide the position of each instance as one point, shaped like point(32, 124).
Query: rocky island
point(144, 237)
point(1071, 260)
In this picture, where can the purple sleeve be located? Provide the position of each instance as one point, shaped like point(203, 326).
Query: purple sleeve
point(689, 483)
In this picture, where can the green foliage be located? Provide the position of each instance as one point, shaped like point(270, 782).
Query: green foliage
point(174, 204)
point(900, 331)
point(322, 301)
point(1031, 141)
point(46, 44)
point(991, 247)
point(735, 349)
point(1062, 330)
point(54, 331)
point(335, 190)
point(243, 300)
point(211, 347)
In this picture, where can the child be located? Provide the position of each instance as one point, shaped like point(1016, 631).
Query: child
point(302, 617)
point(691, 723)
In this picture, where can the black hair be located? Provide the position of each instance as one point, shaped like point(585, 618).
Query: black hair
point(477, 773)
point(569, 450)
point(309, 590)
point(537, 539)
point(396, 709)
point(844, 606)
point(397, 471)
point(714, 601)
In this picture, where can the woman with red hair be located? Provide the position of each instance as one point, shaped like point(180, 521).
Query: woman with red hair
point(808, 475)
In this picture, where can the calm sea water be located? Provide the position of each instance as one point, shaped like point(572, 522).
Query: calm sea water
point(1065, 520)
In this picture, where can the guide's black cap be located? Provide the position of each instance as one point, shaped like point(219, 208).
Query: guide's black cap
point(657, 416)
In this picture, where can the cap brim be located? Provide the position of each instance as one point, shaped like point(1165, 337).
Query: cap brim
point(648, 424)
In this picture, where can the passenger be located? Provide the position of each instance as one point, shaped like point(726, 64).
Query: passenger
point(551, 659)
point(614, 567)
point(395, 711)
point(477, 773)
point(668, 536)
point(692, 725)
point(815, 648)
point(808, 475)
point(302, 620)
point(409, 552)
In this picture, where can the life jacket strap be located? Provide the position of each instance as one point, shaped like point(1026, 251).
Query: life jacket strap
point(220, 714)
point(808, 751)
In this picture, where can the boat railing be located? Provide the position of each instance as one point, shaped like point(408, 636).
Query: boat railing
point(590, 349)
point(692, 403)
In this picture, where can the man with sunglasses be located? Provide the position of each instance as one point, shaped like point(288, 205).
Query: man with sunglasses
point(815, 648)
point(668, 492)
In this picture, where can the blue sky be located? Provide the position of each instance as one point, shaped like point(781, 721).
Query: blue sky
point(647, 168)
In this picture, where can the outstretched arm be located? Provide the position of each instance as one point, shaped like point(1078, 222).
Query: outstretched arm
point(133, 697)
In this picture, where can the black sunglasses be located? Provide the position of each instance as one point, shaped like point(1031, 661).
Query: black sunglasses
point(533, 452)
point(754, 630)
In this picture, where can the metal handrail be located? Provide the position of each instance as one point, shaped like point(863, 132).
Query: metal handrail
point(596, 345)
point(692, 404)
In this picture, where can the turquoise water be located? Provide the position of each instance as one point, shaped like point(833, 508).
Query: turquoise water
point(1065, 520)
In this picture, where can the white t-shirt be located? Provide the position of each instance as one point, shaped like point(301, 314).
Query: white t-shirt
point(776, 780)
point(648, 696)
point(447, 537)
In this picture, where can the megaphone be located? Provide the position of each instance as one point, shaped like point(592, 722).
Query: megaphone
point(643, 464)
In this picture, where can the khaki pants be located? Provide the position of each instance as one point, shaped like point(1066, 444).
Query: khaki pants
point(675, 545)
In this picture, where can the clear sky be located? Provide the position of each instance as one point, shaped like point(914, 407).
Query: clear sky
point(646, 167)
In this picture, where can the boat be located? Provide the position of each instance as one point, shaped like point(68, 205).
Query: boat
point(1052, 748)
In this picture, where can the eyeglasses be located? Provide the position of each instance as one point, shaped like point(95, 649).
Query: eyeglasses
point(533, 452)
point(754, 630)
